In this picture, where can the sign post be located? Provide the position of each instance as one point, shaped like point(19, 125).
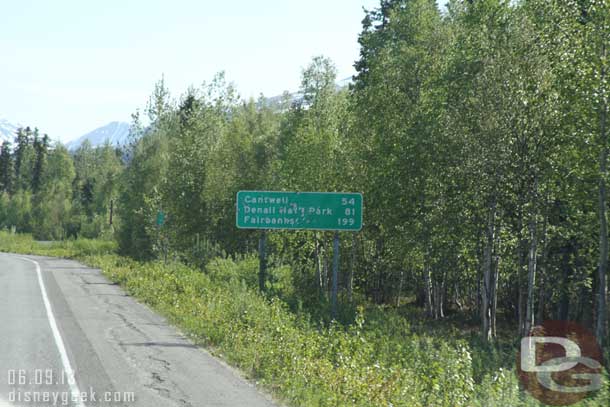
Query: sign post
point(335, 282)
point(273, 210)
point(111, 211)
point(262, 257)
point(160, 222)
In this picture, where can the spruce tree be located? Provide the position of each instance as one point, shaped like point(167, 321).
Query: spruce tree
point(6, 167)
point(41, 147)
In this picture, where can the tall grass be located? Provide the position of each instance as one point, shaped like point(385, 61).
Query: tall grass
point(25, 244)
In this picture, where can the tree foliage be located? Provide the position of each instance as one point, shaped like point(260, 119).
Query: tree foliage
point(478, 135)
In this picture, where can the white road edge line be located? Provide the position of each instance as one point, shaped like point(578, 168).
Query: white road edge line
point(70, 375)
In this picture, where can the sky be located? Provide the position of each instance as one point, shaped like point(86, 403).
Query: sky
point(70, 66)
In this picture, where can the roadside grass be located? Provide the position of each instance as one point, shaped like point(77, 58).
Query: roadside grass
point(25, 244)
point(384, 358)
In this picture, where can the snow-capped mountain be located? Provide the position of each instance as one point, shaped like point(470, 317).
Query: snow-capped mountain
point(116, 133)
point(7, 130)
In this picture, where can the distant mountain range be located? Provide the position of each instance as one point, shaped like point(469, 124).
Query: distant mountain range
point(7, 130)
point(115, 133)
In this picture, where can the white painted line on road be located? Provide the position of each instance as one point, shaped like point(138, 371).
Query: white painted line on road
point(76, 394)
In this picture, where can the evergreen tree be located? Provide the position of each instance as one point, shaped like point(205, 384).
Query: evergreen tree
point(41, 147)
point(6, 167)
point(22, 145)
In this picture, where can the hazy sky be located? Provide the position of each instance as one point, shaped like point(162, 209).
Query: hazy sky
point(69, 66)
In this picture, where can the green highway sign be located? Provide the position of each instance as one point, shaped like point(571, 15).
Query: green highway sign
point(299, 210)
point(160, 218)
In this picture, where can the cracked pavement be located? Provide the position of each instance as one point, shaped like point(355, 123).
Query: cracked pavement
point(116, 345)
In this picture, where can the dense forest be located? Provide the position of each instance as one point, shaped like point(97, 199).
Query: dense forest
point(55, 194)
point(478, 136)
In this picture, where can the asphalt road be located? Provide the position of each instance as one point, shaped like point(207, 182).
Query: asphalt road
point(69, 337)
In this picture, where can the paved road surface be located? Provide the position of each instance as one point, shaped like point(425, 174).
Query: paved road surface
point(59, 317)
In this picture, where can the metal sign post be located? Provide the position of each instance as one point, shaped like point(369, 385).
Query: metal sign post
point(335, 282)
point(111, 211)
point(160, 222)
point(262, 260)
